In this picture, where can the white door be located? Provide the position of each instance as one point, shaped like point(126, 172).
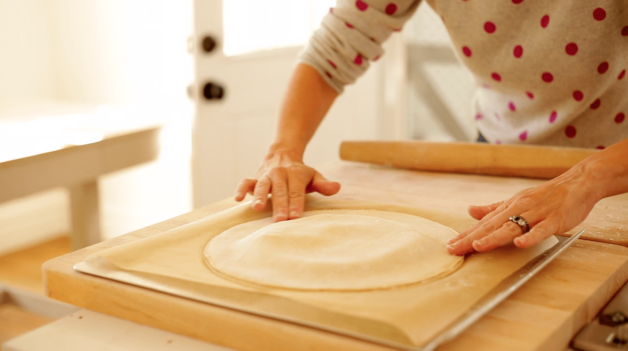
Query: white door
point(245, 77)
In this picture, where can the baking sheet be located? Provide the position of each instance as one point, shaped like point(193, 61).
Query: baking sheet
point(173, 262)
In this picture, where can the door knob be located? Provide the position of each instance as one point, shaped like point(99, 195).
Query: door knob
point(213, 91)
point(208, 43)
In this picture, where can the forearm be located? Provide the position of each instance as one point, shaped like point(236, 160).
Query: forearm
point(607, 171)
point(306, 103)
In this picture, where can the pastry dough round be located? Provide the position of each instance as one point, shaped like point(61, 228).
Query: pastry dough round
point(341, 250)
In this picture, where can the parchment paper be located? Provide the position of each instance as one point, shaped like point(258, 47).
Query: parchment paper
point(173, 262)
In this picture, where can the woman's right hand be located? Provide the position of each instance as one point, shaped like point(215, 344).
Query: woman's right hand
point(287, 179)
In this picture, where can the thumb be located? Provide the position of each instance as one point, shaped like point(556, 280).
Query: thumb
point(478, 212)
point(321, 185)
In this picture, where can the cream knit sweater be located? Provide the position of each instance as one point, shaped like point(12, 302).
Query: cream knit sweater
point(548, 72)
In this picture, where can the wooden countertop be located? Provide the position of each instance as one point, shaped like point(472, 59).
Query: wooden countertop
point(544, 314)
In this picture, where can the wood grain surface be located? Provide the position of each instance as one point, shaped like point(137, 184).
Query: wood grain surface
point(544, 162)
point(542, 315)
point(449, 192)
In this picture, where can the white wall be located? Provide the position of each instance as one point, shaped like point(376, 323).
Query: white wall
point(110, 52)
point(25, 49)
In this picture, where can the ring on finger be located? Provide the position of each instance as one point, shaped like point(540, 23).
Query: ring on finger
point(521, 222)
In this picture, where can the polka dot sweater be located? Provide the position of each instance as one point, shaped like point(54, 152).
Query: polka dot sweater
point(547, 72)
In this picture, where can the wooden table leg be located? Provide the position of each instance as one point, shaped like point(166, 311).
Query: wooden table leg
point(85, 214)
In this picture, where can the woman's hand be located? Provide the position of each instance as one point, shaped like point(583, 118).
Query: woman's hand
point(552, 208)
point(288, 180)
point(282, 172)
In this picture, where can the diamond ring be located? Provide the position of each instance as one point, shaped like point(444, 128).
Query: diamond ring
point(521, 222)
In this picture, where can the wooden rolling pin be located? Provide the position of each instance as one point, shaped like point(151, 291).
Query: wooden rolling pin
point(543, 162)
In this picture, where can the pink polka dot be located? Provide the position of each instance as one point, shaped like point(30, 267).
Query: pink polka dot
point(466, 51)
point(479, 117)
point(578, 95)
point(442, 19)
point(620, 117)
point(552, 117)
point(624, 31)
point(547, 77)
point(571, 49)
point(530, 95)
point(497, 116)
point(518, 51)
point(331, 10)
point(517, 2)
point(621, 74)
point(397, 30)
point(523, 136)
point(600, 147)
point(376, 58)
point(511, 106)
point(332, 64)
point(498, 141)
point(602, 68)
point(361, 5)
point(599, 14)
point(328, 75)
point(489, 27)
point(372, 39)
point(496, 76)
point(595, 104)
point(349, 25)
point(570, 131)
point(486, 86)
point(391, 9)
point(545, 21)
point(358, 60)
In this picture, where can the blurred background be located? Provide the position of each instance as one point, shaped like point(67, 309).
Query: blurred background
point(207, 76)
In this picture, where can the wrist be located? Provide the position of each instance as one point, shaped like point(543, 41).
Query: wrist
point(603, 176)
point(286, 150)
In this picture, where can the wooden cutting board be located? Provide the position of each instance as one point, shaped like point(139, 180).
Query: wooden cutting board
point(544, 314)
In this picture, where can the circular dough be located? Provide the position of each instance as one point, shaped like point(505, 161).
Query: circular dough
point(341, 250)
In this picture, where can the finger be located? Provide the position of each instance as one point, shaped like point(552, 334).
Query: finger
point(279, 191)
point(483, 240)
point(502, 236)
point(260, 194)
point(485, 228)
point(539, 232)
point(245, 186)
point(487, 218)
point(479, 212)
point(321, 185)
point(297, 182)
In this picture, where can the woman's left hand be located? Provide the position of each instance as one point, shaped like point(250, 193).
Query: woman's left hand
point(551, 208)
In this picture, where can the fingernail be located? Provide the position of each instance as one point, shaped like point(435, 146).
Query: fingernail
point(451, 241)
point(294, 214)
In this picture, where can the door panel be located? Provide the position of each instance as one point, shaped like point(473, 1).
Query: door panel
point(232, 135)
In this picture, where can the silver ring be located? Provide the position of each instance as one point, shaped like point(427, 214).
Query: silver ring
point(521, 222)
